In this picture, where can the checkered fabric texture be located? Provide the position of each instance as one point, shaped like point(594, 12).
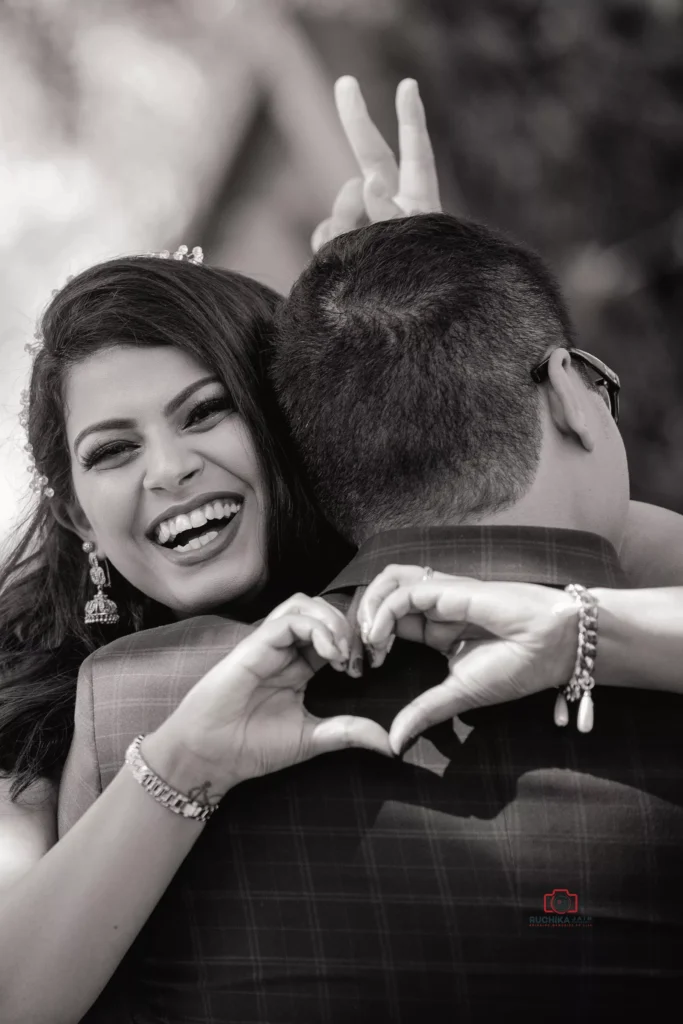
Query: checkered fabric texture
point(356, 888)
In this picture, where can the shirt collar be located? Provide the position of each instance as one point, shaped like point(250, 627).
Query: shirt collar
point(516, 554)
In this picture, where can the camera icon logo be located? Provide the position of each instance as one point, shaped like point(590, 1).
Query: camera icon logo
point(560, 901)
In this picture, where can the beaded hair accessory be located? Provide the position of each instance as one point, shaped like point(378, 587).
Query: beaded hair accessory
point(39, 483)
point(181, 253)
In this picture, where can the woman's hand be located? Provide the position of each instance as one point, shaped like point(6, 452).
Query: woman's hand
point(533, 633)
point(386, 189)
point(246, 716)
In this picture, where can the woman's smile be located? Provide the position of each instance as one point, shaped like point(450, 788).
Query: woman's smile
point(190, 538)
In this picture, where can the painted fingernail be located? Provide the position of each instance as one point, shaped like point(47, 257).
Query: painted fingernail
point(365, 632)
point(378, 654)
point(356, 669)
point(339, 666)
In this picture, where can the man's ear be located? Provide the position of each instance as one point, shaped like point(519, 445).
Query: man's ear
point(566, 399)
point(73, 518)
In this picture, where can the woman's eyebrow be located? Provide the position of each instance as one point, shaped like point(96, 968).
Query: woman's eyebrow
point(126, 424)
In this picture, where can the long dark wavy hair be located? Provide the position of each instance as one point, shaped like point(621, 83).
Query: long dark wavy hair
point(223, 320)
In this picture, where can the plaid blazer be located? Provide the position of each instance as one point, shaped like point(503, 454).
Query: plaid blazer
point(525, 870)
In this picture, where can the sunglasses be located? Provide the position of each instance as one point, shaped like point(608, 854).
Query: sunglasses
point(605, 380)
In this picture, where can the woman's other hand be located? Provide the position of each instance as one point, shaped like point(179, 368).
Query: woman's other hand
point(246, 716)
point(533, 633)
point(386, 189)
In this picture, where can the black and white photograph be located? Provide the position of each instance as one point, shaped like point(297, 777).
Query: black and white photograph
point(341, 511)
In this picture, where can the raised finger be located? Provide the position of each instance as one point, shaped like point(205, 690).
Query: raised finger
point(368, 144)
point(418, 190)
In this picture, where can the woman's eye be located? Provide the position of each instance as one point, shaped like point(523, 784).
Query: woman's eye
point(205, 410)
point(106, 451)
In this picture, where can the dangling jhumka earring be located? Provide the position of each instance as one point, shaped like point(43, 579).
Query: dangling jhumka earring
point(100, 608)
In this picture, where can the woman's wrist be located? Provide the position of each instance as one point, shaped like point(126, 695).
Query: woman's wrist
point(180, 766)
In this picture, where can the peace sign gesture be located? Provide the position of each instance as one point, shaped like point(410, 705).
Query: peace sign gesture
point(386, 189)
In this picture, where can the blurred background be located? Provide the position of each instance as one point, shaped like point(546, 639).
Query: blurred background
point(146, 123)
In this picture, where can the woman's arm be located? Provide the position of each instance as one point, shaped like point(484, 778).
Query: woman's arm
point(520, 639)
point(70, 910)
point(640, 638)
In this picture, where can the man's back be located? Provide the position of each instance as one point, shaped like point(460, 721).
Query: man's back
point(524, 869)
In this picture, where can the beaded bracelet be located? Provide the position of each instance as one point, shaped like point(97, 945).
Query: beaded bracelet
point(582, 681)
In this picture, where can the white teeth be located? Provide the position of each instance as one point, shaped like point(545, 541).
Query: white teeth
point(194, 544)
point(171, 528)
point(206, 538)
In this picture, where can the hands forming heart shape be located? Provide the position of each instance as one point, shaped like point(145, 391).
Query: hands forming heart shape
point(246, 716)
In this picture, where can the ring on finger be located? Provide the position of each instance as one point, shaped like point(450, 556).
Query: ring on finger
point(428, 572)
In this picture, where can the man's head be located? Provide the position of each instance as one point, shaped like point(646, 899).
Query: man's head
point(404, 365)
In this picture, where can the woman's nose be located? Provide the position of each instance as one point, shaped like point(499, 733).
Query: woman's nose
point(170, 465)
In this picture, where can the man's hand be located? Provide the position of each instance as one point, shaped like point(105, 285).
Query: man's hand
point(533, 645)
point(386, 189)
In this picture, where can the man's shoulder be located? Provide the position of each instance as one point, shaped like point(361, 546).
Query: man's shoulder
point(134, 683)
point(195, 639)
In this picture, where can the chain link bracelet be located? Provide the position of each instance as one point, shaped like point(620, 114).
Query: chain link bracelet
point(195, 805)
point(582, 682)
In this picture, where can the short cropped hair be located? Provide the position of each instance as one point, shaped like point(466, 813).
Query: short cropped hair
point(402, 363)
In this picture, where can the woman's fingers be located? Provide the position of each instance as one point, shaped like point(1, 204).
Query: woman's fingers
point(390, 579)
point(443, 601)
point(418, 190)
point(348, 212)
point(336, 625)
point(323, 736)
point(369, 147)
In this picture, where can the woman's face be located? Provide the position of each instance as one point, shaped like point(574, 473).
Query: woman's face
point(166, 477)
